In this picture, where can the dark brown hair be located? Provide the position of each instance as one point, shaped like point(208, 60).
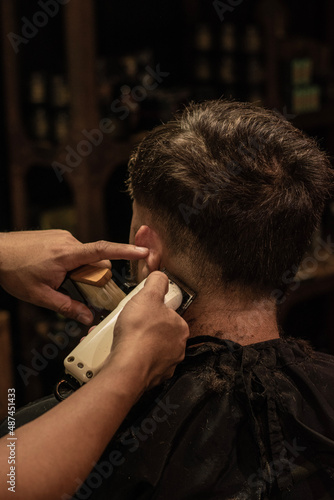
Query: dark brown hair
point(235, 185)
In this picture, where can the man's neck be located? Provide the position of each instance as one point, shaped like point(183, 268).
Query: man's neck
point(243, 322)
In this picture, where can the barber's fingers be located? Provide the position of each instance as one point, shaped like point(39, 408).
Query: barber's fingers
point(102, 264)
point(100, 250)
point(156, 286)
point(63, 304)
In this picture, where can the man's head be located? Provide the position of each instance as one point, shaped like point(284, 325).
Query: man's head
point(233, 193)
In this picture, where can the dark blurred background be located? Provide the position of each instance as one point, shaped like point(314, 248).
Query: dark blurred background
point(81, 83)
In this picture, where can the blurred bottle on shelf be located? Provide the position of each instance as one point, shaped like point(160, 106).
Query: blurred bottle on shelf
point(304, 95)
point(35, 107)
point(241, 72)
point(38, 88)
point(228, 41)
point(46, 108)
point(40, 125)
point(228, 61)
point(203, 45)
point(60, 107)
point(254, 73)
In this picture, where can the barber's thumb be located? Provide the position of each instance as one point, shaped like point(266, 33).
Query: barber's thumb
point(157, 284)
point(63, 304)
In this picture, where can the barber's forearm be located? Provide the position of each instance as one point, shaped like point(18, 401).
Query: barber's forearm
point(82, 425)
point(62, 445)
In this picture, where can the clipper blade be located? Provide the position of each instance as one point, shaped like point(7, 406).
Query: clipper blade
point(188, 294)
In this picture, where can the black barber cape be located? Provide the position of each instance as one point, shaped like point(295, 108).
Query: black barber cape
point(235, 422)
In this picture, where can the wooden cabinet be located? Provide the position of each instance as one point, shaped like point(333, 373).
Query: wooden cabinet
point(96, 157)
point(87, 174)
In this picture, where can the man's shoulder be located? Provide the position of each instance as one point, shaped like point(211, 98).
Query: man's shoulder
point(227, 408)
point(275, 354)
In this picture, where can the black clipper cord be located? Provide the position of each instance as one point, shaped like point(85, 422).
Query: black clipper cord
point(65, 387)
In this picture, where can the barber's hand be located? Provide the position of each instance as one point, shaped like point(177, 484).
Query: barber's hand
point(149, 337)
point(33, 265)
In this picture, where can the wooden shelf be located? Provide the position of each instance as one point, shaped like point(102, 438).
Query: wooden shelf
point(88, 179)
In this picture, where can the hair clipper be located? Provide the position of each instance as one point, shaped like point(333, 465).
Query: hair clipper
point(87, 358)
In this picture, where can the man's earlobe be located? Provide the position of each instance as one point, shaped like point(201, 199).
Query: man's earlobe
point(147, 237)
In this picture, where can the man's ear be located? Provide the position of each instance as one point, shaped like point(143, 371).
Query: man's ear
point(148, 238)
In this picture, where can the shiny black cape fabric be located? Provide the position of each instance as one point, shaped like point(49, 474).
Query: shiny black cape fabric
point(252, 422)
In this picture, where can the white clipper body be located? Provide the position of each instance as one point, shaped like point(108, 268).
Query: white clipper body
point(87, 358)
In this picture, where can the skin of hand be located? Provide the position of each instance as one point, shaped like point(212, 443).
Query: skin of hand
point(33, 265)
point(135, 333)
point(57, 451)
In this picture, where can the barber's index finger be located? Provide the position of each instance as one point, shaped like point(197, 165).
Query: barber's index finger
point(93, 252)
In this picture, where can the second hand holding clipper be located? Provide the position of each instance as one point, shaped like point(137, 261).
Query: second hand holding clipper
point(86, 360)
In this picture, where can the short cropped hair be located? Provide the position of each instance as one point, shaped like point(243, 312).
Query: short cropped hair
point(234, 185)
